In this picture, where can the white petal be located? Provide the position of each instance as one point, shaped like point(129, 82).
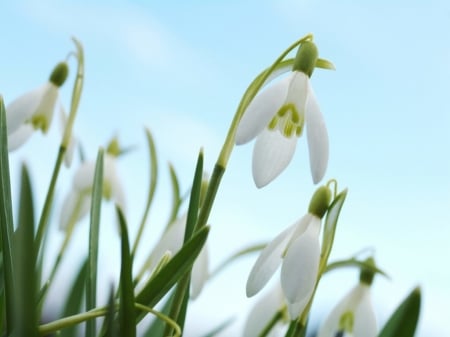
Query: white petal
point(317, 138)
point(359, 302)
point(200, 272)
point(111, 176)
point(23, 107)
point(171, 240)
point(84, 177)
point(295, 309)
point(263, 311)
point(47, 104)
point(261, 110)
point(75, 207)
point(298, 91)
point(365, 320)
point(271, 154)
point(300, 267)
point(20, 136)
point(268, 262)
point(72, 142)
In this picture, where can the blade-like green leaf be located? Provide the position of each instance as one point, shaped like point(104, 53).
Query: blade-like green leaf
point(74, 299)
point(329, 228)
point(403, 321)
point(245, 251)
point(354, 263)
point(176, 196)
point(324, 64)
point(161, 283)
point(26, 320)
point(151, 189)
point(110, 322)
point(179, 305)
point(127, 312)
point(91, 279)
point(6, 221)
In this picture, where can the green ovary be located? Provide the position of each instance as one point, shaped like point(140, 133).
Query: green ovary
point(288, 121)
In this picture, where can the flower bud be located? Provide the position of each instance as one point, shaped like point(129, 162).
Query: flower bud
point(59, 74)
point(305, 60)
point(366, 275)
point(320, 202)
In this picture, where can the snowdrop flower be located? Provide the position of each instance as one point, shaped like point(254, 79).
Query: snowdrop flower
point(298, 250)
point(264, 311)
point(78, 201)
point(354, 315)
point(277, 116)
point(34, 110)
point(172, 241)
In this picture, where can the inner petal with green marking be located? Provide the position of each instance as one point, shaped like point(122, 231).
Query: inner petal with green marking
point(288, 120)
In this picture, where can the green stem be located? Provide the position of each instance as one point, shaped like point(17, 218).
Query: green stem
point(76, 95)
point(66, 322)
point(228, 145)
point(269, 326)
point(296, 329)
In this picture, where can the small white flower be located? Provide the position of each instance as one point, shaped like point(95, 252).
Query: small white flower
point(78, 201)
point(276, 118)
point(172, 241)
point(297, 249)
point(353, 315)
point(34, 110)
point(263, 312)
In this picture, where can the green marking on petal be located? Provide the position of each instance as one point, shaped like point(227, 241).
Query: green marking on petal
point(40, 122)
point(347, 321)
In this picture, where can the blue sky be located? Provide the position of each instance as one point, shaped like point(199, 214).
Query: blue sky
point(180, 68)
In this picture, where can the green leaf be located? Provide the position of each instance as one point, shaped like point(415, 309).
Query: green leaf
point(26, 318)
point(127, 312)
point(91, 279)
point(161, 283)
point(353, 263)
point(403, 321)
point(110, 322)
point(245, 251)
point(74, 299)
point(176, 195)
point(329, 228)
point(6, 221)
point(324, 64)
point(151, 189)
point(179, 306)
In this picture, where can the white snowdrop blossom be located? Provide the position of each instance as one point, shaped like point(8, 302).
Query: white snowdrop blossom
point(78, 201)
point(34, 110)
point(277, 116)
point(172, 241)
point(354, 314)
point(297, 249)
point(264, 311)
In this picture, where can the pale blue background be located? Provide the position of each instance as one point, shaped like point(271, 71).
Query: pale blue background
point(180, 69)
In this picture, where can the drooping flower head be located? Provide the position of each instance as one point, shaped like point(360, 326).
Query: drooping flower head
point(34, 110)
point(78, 201)
point(277, 117)
point(297, 249)
point(354, 314)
